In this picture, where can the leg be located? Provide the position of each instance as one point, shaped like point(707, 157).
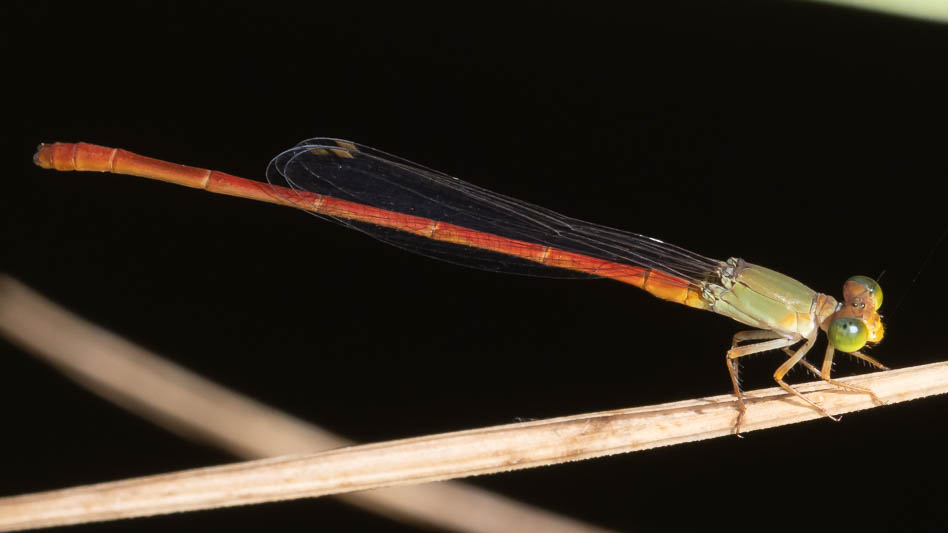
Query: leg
point(733, 367)
point(828, 366)
point(776, 342)
point(750, 335)
point(869, 360)
point(804, 362)
point(754, 335)
point(784, 368)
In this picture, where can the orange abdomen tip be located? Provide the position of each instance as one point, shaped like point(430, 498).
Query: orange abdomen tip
point(74, 156)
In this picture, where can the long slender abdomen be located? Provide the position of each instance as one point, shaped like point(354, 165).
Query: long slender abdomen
point(90, 157)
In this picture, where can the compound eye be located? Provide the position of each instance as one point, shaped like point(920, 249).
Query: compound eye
point(847, 334)
point(873, 288)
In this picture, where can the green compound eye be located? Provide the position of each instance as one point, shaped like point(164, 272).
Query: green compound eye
point(847, 334)
point(871, 286)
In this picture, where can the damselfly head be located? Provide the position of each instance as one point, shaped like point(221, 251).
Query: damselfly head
point(857, 321)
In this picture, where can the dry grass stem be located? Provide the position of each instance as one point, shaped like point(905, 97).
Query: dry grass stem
point(458, 454)
point(194, 407)
point(451, 455)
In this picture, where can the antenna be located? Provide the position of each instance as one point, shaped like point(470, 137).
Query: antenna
point(927, 260)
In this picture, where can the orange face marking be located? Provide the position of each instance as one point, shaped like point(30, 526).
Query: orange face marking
point(857, 294)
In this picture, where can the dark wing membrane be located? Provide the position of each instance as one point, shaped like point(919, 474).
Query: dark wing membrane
point(354, 173)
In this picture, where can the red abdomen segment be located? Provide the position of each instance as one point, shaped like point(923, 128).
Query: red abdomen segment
point(90, 157)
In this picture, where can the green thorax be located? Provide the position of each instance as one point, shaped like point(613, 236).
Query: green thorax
point(760, 297)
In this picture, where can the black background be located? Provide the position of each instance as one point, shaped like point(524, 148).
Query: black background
point(806, 138)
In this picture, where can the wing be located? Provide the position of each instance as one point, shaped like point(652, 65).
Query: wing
point(436, 215)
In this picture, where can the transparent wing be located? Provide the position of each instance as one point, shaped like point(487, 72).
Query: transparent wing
point(413, 207)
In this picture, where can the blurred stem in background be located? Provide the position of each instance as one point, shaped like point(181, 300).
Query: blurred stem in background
point(933, 10)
